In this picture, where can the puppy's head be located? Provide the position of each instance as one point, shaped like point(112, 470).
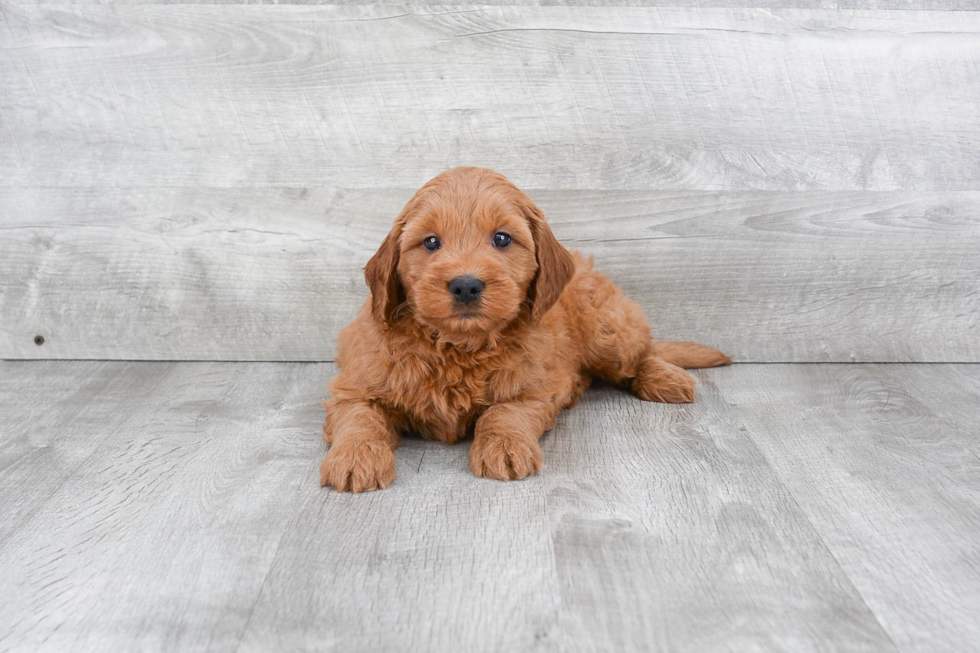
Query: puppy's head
point(468, 255)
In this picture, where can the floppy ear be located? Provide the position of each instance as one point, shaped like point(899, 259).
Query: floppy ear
point(381, 274)
point(555, 264)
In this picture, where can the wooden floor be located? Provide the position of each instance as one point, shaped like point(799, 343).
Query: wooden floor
point(175, 506)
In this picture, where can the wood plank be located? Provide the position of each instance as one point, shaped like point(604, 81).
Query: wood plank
point(556, 97)
point(885, 467)
point(182, 273)
point(273, 274)
point(161, 539)
point(672, 533)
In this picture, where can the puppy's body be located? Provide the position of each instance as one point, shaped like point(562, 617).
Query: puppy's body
point(500, 368)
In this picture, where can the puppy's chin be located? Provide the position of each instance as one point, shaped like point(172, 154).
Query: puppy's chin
point(476, 326)
point(473, 322)
point(470, 322)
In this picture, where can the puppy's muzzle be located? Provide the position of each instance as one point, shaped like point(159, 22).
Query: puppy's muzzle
point(466, 289)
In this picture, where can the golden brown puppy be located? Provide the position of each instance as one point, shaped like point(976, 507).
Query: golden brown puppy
point(480, 323)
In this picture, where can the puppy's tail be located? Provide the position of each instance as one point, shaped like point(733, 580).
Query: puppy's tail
point(689, 355)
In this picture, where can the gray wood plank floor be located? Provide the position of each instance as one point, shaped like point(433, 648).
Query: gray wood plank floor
point(175, 506)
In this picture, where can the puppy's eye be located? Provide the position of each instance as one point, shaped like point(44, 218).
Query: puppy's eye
point(501, 240)
point(431, 243)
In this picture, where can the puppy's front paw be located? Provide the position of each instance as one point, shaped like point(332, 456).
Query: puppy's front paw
point(358, 466)
point(505, 456)
point(661, 381)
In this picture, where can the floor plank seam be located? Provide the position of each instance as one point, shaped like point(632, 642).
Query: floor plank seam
point(272, 564)
point(791, 496)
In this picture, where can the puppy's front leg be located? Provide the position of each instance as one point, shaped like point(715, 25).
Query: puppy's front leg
point(363, 440)
point(505, 443)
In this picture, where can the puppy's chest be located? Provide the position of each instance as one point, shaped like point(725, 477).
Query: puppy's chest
point(442, 398)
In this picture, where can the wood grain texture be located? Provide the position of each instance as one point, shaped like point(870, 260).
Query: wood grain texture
point(39, 405)
point(161, 537)
point(175, 506)
point(555, 97)
point(273, 274)
point(884, 462)
point(196, 523)
point(672, 533)
point(444, 562)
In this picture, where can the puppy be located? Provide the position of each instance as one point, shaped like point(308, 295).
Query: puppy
point(481, 324)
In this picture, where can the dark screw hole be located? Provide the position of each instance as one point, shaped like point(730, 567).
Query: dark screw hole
point(38, 340)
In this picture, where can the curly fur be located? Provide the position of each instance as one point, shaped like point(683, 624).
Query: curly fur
point(546, 324)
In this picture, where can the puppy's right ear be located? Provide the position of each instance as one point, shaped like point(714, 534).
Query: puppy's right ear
point(381, 274)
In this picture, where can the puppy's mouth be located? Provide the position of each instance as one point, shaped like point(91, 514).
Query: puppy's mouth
point(466, 319)
point(467, 314)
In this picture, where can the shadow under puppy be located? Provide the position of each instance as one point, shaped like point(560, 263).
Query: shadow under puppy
point(480, 323)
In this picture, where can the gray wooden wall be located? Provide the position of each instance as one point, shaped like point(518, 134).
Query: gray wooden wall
point(789, 181)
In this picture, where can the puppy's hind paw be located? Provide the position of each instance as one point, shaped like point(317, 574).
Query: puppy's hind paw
point(358, 467)
point(661, 381)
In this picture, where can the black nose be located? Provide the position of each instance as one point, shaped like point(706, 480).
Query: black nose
point(466, 289)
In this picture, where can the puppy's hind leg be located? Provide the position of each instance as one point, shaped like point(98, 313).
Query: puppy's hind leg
point(619, 347)
point(658, 380)
point(661, 377)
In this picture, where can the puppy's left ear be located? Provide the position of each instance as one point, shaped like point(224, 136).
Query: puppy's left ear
point(555, 263)
point(381, 274)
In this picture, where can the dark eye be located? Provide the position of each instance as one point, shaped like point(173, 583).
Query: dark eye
point(501, 240)
point(431, 243)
